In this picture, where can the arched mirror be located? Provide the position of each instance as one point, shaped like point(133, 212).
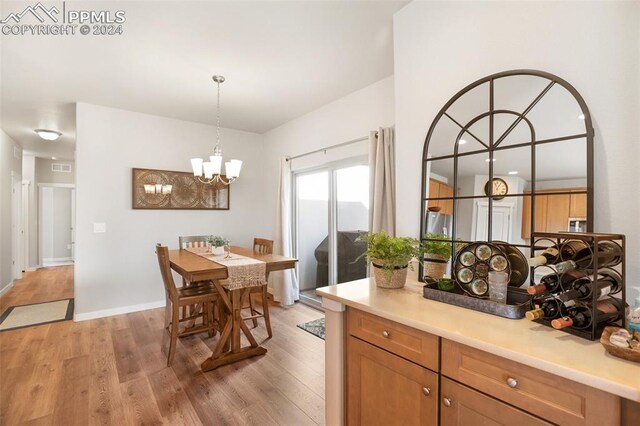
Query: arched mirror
point(509, 154)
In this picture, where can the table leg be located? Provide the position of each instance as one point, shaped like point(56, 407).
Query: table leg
point(236, 302)
point(231, 332)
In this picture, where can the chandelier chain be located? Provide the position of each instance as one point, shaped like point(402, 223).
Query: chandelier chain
point(218, 117)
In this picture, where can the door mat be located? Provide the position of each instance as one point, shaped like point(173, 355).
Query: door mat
point(315, 327)
point(21, 316)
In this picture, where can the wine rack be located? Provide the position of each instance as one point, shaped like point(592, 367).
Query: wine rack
point(542, 240)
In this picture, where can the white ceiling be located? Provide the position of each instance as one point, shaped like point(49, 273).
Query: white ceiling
point(281, 60)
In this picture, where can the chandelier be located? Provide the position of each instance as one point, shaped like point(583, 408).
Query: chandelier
point(212, 169)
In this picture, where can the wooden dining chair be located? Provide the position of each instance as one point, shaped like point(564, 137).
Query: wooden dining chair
point(262, 246)
point(190, 241)
point(203, 294)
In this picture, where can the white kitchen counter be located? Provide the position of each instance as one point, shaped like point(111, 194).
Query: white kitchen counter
point(524, 341)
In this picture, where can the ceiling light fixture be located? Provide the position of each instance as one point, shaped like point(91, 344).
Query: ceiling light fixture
point(212, 169)
point(487, 160)
point(514, 172)
point(54, 158)
point(48, 135)
point(462, 142)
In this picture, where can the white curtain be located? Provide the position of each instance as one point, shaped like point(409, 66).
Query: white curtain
point(382, 193)
point(285, 283)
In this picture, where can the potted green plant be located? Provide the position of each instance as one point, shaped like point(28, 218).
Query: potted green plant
point(390, 257)
point(217, 243)
point(437, 252)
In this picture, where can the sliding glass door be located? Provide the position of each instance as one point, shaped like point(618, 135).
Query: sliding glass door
point(312, 229)
point(331, 210)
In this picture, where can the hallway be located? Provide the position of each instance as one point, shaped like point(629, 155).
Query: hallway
point(42, 285)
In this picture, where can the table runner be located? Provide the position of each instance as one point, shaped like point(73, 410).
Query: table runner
point(243, 271)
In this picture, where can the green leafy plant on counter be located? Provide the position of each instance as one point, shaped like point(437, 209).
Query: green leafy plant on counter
point(388, 252)
point(217, 241)
point(439, 245)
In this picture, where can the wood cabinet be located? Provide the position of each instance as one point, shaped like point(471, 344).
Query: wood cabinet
point(554, 207)
point(463, 406)
point(414, 345)
point(546, 395)
point(385, 389)
point(439, 189)
point(387, 382)
point(398, 375)
point(578, 205)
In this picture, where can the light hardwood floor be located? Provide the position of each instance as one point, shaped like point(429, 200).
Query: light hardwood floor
point(111, 371)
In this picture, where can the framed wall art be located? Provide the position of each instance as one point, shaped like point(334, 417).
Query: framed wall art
point(169, 190)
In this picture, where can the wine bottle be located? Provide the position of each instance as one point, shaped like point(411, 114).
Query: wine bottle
point(608, 253)
point(580, 317)
point(607, 282)
point(552, 283)
point(557, 253)
point(550, 308)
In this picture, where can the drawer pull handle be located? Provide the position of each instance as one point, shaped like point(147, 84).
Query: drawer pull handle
point(426, 391)
point(447, 402)
point(513, 383)
point(385, 333)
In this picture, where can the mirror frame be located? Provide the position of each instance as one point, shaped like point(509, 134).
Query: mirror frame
point(521, 116)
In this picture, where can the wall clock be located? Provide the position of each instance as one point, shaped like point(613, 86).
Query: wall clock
point(499, 187)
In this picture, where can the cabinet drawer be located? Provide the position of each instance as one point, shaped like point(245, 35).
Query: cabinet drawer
point(551, 397)
point(460, 405)
point(409, 343)
point(384, 389)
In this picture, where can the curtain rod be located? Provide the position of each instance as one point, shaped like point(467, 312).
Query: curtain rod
point(364, 138)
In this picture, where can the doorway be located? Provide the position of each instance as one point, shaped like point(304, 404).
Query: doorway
point(56, 219)
point(331, 210)
point(501, 228)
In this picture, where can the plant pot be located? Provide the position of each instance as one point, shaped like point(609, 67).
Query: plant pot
point(217, 250)
point(389, 278)
point(435, 266)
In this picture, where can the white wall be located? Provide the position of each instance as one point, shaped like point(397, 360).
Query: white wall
point(9, 166)
point(442, 46)
point(46, 175)
point(118, 270)
point(348, 118)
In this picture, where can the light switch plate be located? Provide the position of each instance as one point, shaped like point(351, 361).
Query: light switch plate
point(99, 228)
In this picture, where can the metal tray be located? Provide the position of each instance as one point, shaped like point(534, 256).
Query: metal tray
point(518, 301)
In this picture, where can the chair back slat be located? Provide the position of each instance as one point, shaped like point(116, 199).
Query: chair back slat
point(263, 246)
point(193, 241)
point(165, 270)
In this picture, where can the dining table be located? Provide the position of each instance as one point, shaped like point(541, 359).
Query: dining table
point(196, 268)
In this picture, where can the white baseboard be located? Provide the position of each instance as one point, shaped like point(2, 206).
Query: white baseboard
point(118, 311)
point(57, 259)
point(6, 288)
point(31, 269)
